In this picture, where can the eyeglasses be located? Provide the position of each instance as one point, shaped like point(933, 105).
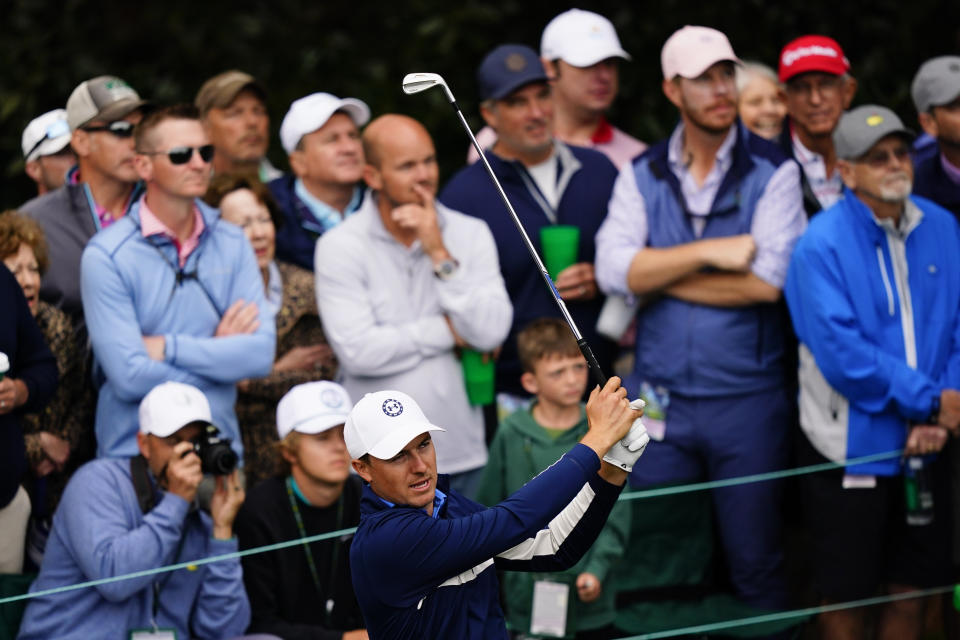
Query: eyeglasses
point(182, 155)
point(55, 129)
point(881, 158)
point(119, 128)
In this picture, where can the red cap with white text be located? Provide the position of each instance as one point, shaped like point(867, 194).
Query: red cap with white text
point(812, 53)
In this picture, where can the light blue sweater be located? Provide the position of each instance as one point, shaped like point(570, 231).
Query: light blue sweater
point(132, 287)
point(98, 532)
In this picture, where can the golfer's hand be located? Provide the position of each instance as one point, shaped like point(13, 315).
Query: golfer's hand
point(588, 587)
point(609, 416)
point(240, 318)
point(226, 501)
point(732, 253)
point(577, 282)
point(183, 473)
point(924, 439)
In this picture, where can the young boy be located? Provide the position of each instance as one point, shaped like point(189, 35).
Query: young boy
point(526, 443)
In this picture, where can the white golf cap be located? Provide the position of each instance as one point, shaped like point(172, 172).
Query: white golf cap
point(692, 50)
point(311, 112)
point(45, 135)
point(312, 407)
point(383, 423)
point(171, 406)
point(580, 38)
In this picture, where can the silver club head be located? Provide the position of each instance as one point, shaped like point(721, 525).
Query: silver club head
point(417, 82)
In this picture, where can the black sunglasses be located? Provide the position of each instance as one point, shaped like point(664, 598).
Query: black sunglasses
point(182, 155)
point(119, 128)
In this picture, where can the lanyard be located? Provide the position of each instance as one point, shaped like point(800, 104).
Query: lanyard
point(334, 554)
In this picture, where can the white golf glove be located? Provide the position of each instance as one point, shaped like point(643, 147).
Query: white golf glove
point(626, 452)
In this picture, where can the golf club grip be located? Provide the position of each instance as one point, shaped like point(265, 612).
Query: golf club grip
point(592, 362)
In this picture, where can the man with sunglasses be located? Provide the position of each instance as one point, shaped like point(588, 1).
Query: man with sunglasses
point(170, 292)
point(872, 289)
point(47, 155)
point(101, 114)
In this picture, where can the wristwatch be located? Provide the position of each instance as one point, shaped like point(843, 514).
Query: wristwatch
point(446, 269)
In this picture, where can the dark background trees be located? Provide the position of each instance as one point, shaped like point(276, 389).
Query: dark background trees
point(363, 49)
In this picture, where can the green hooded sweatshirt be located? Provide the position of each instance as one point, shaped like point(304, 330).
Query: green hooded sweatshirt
point(520, 450)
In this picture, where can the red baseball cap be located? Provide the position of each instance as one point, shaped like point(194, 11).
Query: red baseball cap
point(812, 53)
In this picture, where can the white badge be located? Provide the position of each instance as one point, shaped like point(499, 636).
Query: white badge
point(852, 481)
point(549, 614)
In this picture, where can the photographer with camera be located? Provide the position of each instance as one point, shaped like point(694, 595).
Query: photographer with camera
point(123, 515)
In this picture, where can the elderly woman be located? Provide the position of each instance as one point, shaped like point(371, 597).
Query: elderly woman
point(762, 103)
point(303, 354)
point(60, 437)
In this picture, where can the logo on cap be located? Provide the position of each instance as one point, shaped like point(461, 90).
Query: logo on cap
point(515, 62)
point(392, 407)
point(874, 120)
point(331, 398)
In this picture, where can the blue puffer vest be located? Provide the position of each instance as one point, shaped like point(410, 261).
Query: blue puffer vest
point(699, 350)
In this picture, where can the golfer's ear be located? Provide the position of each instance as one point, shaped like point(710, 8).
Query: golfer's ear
point(362, 469)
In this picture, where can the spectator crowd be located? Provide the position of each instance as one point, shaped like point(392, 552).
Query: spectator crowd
point(188, 328)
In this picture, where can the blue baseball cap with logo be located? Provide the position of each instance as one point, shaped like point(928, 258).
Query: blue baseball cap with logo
point(508, 68)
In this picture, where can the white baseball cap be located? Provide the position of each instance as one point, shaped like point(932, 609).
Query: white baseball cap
point(692, 50)
point(311, 112)
point(383, 423)
point(581, 38)
point(312, 407)
point(171, 406)
point(45, 135)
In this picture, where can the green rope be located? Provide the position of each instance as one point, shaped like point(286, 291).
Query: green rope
point(757, 477)
point(633, 495)
point(786, 615)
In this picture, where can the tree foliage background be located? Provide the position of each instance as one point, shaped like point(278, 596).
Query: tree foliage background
point(294, 47)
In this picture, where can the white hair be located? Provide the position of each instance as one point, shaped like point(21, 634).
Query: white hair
point(751, 68)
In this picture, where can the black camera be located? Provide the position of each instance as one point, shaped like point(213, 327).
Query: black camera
point(216, 456)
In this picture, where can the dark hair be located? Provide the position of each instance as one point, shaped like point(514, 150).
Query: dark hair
point(542, 338)
point(153, 118)
point(17, 229)
point(224, 184)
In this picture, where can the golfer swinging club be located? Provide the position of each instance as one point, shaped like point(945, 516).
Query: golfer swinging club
point(423, 556)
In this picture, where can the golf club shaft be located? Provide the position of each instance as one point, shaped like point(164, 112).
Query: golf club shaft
point(581, 341)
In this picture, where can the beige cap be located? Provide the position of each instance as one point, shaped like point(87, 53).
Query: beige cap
point(220, 90)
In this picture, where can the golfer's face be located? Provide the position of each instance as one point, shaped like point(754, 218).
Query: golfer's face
point(410, 477)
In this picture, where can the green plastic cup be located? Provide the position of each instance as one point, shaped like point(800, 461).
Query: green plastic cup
point(560, 244)
point(478, 377)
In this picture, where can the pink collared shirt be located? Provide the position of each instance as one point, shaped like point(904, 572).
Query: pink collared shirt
point(105, 217)
point(151, 225)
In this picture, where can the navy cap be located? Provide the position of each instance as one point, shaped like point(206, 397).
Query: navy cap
point(506, 69)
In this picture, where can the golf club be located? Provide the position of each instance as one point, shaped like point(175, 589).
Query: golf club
point(417, 82)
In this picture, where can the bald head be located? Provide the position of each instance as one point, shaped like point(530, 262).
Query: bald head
point(399, 154)
point(390, 133)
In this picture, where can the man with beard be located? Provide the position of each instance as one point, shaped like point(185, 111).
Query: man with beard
point(936, 94)
point(404, 282)
point(702, 226)
point(867, 272)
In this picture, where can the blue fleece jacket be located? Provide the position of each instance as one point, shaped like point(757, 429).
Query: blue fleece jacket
point(418, 576)
point(132, 287)
point(99, 531)
point(864, 313)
